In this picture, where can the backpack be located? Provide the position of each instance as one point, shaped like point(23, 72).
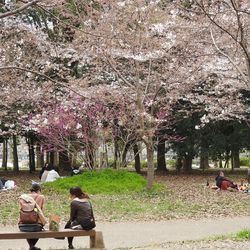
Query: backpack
point(28, 211)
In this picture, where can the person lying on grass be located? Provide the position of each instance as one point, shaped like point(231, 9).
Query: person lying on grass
point(223, 183)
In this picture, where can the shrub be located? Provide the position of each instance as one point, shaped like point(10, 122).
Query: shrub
point(144, 164)
point(171, 163)
point(244, 161)
point(243, 235)
point(107, 181)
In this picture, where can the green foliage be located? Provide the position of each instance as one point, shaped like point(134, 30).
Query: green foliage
point(244, 161)
point(243, 235)
point(144, 164)
point(127, 206)
point(9, 212)
point(103, 182)
point(171, 163)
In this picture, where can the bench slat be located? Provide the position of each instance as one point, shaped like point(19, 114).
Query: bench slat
point(46, 234)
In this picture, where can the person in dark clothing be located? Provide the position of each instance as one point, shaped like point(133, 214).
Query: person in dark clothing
point(76, 170)
point(223, 183)
point(45, 167)
point(3, 181)
point(81, 213)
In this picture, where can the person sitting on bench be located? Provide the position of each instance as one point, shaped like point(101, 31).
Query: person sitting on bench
point(28, 200)
point(81, 213)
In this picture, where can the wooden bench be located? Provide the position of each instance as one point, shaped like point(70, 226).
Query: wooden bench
point(96, 238)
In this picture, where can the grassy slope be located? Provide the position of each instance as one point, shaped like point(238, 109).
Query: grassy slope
point(118, 196)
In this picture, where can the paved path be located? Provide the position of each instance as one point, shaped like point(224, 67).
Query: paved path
point(121, 235)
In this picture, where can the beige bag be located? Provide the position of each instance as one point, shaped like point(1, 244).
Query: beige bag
point(28, 204)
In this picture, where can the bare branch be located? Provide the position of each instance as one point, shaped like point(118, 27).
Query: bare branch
point(214, 22)
point(20, 9)
point(119, 73)
point(68, 24)
point(148, 77)
point(229, 58)
point(40, 74)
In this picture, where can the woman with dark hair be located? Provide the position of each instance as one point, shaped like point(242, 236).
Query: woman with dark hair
point(81, 213)
point(42, 170)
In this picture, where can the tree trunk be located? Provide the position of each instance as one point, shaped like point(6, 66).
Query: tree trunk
point(5, 154)
point(187, 164)
point(204, 163)
point(47, 156)
point(102, 160)
point(137, 158)
point(248, 70)
point(15, 155)
point(116, 154)
point(32, 166)
point(72, 155)
point(51, 158)
point(227, 159)
point(204, 157)
point(106, 155)
point(74, 159)
point(56, 160)
point(235, 158)
point(39, 156)
point(90, 156)
point(124, 155)
point(64, 161)
point(179, 163)
point(150, 161)
point(220, 163)
point(161, 161)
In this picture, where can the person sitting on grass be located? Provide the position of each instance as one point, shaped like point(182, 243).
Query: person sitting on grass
point(223, 183)
point(44, 172)
point(52, 174)
point(76, 170)
point(7, 184)
point(1, 184)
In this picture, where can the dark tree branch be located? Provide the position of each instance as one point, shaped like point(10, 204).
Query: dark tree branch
point(20, 9)
point(68, 24)
point(40, 74)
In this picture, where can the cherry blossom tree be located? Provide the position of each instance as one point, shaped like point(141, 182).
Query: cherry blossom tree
point(80, 65)
point(227, 32)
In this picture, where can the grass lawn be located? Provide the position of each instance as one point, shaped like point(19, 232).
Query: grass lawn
point(122, 197)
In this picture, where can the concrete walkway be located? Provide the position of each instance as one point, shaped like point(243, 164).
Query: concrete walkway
point(135, 234)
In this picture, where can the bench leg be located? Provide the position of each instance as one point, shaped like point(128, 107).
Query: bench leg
point(97, 241)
